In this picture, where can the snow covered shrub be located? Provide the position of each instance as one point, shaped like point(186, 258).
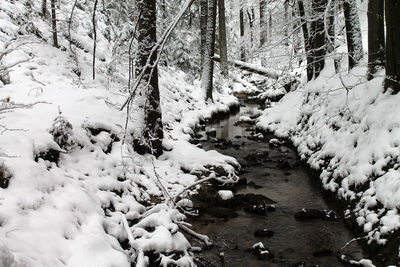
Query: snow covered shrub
point(5, 176)
point(62, 132)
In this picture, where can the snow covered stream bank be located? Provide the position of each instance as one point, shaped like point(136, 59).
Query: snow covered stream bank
point(346, 129)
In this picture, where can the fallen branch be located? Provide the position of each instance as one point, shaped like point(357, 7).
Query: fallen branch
point(249, 67)
point(192, 185)
point(198, 236)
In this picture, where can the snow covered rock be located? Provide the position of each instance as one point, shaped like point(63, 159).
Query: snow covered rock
point(225, 194)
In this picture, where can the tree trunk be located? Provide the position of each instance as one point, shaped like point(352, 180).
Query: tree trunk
point(262, 22)
point(251, 27)
point(203, 29)
point(44, 8)
point(152, 135)
point(242, 46)
point(208, 67)
point(376, 37)
point(94, 39)
point(270, 27)
point(54, 23)
point(223, 50)
point(392, 11)
point(318, 36)
point(353, 32)
point(307, 41)
point(286, 27)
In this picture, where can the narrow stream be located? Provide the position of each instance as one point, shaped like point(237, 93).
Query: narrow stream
point(294, 242)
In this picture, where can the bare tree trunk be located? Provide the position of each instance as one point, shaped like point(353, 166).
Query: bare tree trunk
point(270, 27)
point(318, 36)
point(262, 22)
point(203, 29)
point(94, 39)
point(44, 8)
point(376, 37)
point(54, 23)
point(208, 67)
point(242, 46)
point(152, 135)
point(286, 27)
point(353, 32)
point(251, 26)
point(307, 41)
point(223, 49)
point(392, 11)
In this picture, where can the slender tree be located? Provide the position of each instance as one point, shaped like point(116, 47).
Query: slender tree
point(223, 49)
point(286, 27)
point(203, 29)
point(376, 37)
point(318, 35)
point(208, 66)
point(307, 40)
point(152, 134)
point(262, 22)
point(94, 39)
point(44, 8)
point(251, 24)
point(392, 11)
point(242, 46)
point(353, 32)
point(54, 23)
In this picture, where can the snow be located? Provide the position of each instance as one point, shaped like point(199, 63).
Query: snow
point(69, 213)
point(225, 194)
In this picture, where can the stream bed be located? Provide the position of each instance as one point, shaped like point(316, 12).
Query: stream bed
point(274, 171)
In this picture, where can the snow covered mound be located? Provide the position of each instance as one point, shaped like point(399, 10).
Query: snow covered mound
point(72, 190)
point(350, 131)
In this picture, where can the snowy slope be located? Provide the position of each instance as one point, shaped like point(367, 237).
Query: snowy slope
point(345, 127)
point(69, 211)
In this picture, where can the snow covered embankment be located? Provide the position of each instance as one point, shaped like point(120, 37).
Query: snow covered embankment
point(64, 204)
point(353, 137)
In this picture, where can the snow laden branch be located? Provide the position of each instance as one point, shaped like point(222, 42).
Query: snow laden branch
point(249, 67)
point(158, 48)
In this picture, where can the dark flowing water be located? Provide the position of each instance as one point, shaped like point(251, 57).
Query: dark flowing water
point(292, 188)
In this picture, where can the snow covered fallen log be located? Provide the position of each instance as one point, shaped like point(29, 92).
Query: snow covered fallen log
point(249, 67)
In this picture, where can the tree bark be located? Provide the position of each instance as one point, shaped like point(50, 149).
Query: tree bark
point(353, 32)
point(318, 36)
point(286, 27)
point(203, 29)
point(307, 41)
point(262, 22)
point(44, 8)
point(376, 37)
point(392, 11)
point(223, 49)
point(208, 67)
point(270, 27)
point(94, 39)
point(242, 46)
point(54, 23)
point(152, 135)
point(251, 24)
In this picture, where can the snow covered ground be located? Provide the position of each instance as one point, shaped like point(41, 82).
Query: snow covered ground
point(348, 129)
point(71, 210)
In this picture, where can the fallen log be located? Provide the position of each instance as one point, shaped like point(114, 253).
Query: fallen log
point(249, 67)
